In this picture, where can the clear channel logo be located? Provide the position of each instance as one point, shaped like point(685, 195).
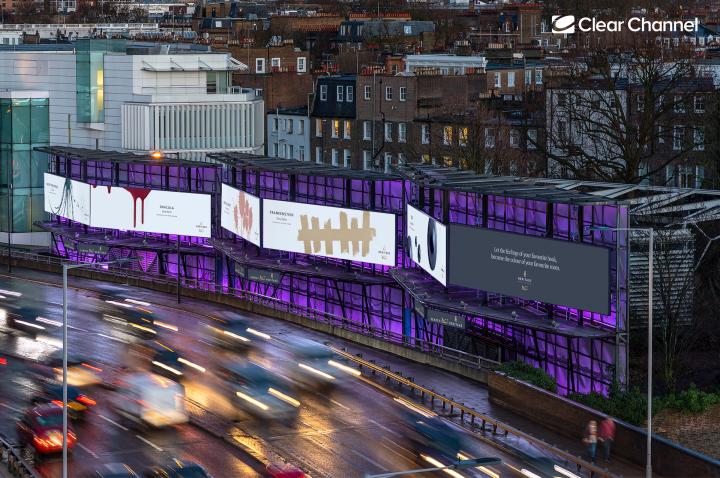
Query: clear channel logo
point(563, 24)
point(567, 24)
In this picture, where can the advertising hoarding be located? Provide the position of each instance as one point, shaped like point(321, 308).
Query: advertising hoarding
point(447, 319)
point(240, 214)
point(150, 210)
point(548, 270)
point(426, 243)
point(327, 231)
point(67, 198)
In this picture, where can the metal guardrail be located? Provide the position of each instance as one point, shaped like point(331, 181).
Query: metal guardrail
point(420, 345)
point(12, 459)
point(474, 415)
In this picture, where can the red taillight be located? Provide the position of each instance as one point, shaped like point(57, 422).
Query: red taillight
point(85, 400)
point(59, 403)
point(50, 441)
point(87, 365)
point(3, 361)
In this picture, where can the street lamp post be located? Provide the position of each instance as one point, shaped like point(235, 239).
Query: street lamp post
point(651, 232)
point(66, 268)
point(162, 155)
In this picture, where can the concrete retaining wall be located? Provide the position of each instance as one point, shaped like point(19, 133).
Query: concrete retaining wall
point(570, 418)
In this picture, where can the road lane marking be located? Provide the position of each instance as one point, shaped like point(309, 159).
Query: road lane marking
point(87, 450)
point(339, 404)
point(11, 408)
point(389, 430)
point(368, 459)
point(394, 452)
point(149, 443)
point(113, 422)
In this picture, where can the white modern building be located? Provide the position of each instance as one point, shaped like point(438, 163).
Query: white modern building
point(117, 95)
point(289, 134)
point(445, 64)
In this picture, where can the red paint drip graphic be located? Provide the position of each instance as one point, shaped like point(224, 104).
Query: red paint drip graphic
point(243, 214)
point(138, 193)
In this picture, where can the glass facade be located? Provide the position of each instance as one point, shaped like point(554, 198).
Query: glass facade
point(24, 124)
point(89, 80)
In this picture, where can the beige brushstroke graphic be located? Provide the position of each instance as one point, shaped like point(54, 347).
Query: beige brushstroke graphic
point(314, 236)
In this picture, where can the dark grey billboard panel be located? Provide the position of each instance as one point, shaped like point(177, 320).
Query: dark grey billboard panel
point(548, 270)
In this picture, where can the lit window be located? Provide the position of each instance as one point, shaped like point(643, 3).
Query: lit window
point(336, 128)
point(447, 134)
point(318, 128)
point(346, 131)
point(463, 136)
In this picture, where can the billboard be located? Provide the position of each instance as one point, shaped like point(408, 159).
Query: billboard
point(426, 243)
point(150, 210)
point(548, 270)
point(67, 198)
point(327, 231)
point(240, 214)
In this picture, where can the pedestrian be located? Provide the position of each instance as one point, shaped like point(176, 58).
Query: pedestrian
point(606, 434)
point(590, 439)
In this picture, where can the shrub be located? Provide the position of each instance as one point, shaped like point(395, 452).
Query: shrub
point(627, 405)
point(530, 374)
point(692, 400)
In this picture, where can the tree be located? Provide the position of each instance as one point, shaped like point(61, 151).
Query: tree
point(611, 119)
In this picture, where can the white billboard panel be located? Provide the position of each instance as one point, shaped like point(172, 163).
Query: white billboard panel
point(426, 243)
point(151, 210)
point(240, 213)
point(67, 198)
point(329, 231)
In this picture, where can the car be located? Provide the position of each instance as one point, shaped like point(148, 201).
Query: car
point(114, 470)
point(41, 428)
point(234, 333)
point(284, 470)
point(133, 322)
point(315, 365)
point(29, 321)
point(150, 400)
point(82, 372)
point(165, 361)
point(78, 402)
point(177, 469)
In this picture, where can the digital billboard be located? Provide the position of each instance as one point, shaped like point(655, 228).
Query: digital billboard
point(67, 198)
point(426, 243)
point(548, 270)
point(240, 214)
point(341, 233)
point(151, 210)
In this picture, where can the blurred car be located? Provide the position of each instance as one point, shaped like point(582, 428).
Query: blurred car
point(133, 322)
point(436, 436)
point(28, 320)
point(78, 402)
point(81, 372)
point(235, 333)
point(148, 399)
point(316, 365)
point(177, 469)
point(114, 470)
point(40, 428)
point(258, 390)
point(283, 470)
point(165, 361)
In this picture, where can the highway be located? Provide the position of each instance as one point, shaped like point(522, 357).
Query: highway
point(353, 429)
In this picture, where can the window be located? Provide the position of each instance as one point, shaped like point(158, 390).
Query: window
point(275, 123)
point(562, 131)
point(283, 151)
point(661, 134)
point(699, 104)
point(346, 158)
point(274, 150)
point(425, 158)
point(346, 129)
point(349, 93)
point(301, 65)
point(335, 157)
point(514, 138)
point(367, 160)
point(318, 154)
point(289, 125)
point(388, 93)
point(340, 93)
point(367, 131)
point(402, 132)
point(401, 158)
point(368, 92)
point(301, 127)
point(447, 161)
point(425, 130)
point(403, 93)
point(291, 151)
point(323, 92)
point(531, 139)
point(301, 153)
point(388, 161)
point(679, 105)
point(447, 134)
point(677, 137)
point(538, 76)
point(699, 138)
point(498, 79)
point(511, 79)
point(489, 138)
point(407, 29)
point(463, 136)
point(259, 65)
point(528, 77)
point(275, 63)
point(640, 99)
point(388, 132)
point(318, 128)
point(336, 129)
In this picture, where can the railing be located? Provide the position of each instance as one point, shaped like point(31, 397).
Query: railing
point(474, 415)
point(417, 344)
point(17, 467)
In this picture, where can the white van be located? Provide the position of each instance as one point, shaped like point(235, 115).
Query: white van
point(151, 400)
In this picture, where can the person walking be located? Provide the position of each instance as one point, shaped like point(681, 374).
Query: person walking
point(606, 434)
point(590, 439)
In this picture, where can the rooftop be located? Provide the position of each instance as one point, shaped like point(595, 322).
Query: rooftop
point(84, 154)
